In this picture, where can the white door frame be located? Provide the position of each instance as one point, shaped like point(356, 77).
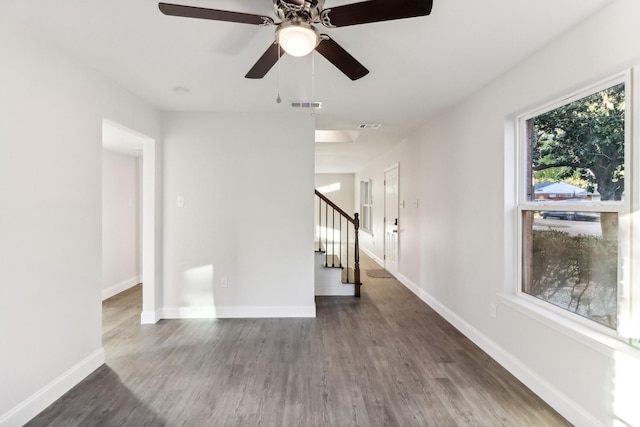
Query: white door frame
point(391, 265)
point(150, 241)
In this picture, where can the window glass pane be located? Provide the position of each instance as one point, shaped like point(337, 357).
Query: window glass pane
point(366, 202)
point(365, 217)
point(576, 151)
point(569, 262)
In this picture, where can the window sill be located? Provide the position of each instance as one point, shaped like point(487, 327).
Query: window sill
point(600, 341)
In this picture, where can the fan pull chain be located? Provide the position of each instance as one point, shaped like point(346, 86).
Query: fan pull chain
point(278, 99)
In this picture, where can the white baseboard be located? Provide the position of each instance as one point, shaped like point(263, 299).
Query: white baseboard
point(187, 313)
point(251, 312)
point(373, 256)
point(122, 286)
point(568, 408)
point(149, 317)
point(40, 400)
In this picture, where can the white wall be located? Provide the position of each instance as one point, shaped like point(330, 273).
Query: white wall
point(247, 184)
point(51, 112)
point(466, 221)
point(120, 222)
point(345, 196)
point(409, 212)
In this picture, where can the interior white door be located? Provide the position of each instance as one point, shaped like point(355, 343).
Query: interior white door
point(391, 220)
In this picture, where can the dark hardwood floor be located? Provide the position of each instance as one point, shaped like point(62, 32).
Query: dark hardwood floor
point(386, 359)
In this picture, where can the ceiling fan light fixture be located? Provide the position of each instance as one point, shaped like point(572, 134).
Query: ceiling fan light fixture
point(297, 38)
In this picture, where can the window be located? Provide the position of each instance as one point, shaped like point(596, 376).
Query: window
point(573, 207)
point(366, 206)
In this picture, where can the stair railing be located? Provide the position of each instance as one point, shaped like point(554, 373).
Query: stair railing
point(339, 238)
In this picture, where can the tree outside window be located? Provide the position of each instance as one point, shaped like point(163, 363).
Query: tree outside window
point(570, 233)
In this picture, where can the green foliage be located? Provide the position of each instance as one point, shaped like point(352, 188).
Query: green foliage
point(578, 273)
point(584, 140)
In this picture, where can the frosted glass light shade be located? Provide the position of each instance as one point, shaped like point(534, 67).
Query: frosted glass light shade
point(298, 39)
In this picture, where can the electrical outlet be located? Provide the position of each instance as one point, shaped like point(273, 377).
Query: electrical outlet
point(180, 202)
point(223, 282)
point(493, 311)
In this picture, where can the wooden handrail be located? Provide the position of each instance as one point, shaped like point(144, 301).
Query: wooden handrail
point(336, 207)
point(355, 221)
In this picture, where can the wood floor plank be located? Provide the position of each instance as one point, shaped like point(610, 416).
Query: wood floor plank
point(386, 359)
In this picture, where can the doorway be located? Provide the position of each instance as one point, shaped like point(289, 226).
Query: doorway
point(124, 140)
point(391, 219)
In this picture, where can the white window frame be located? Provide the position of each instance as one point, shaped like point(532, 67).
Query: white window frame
point(628, 325)
point(366, 203)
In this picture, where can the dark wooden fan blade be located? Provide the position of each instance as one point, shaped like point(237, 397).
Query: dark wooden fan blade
point(214, 14)
point(265, 63)
point(375, 11)
point(339, 57)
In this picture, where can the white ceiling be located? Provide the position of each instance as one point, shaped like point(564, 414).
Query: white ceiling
point(418, 66)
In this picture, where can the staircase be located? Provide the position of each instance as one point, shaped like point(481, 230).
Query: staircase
point(337, 251)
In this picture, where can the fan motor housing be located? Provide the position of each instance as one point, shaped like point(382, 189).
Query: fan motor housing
point(307, 10)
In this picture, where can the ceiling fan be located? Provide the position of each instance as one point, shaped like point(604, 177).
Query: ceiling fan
point(298, 36)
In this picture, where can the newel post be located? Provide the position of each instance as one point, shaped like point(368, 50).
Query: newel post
point(356, 268)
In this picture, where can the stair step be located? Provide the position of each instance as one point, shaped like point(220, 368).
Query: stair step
point(332, 261)
point(327, 280)
point(345, 272)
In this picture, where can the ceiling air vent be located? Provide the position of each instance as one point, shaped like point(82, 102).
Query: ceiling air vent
point(306, 104)
point(369, 126)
